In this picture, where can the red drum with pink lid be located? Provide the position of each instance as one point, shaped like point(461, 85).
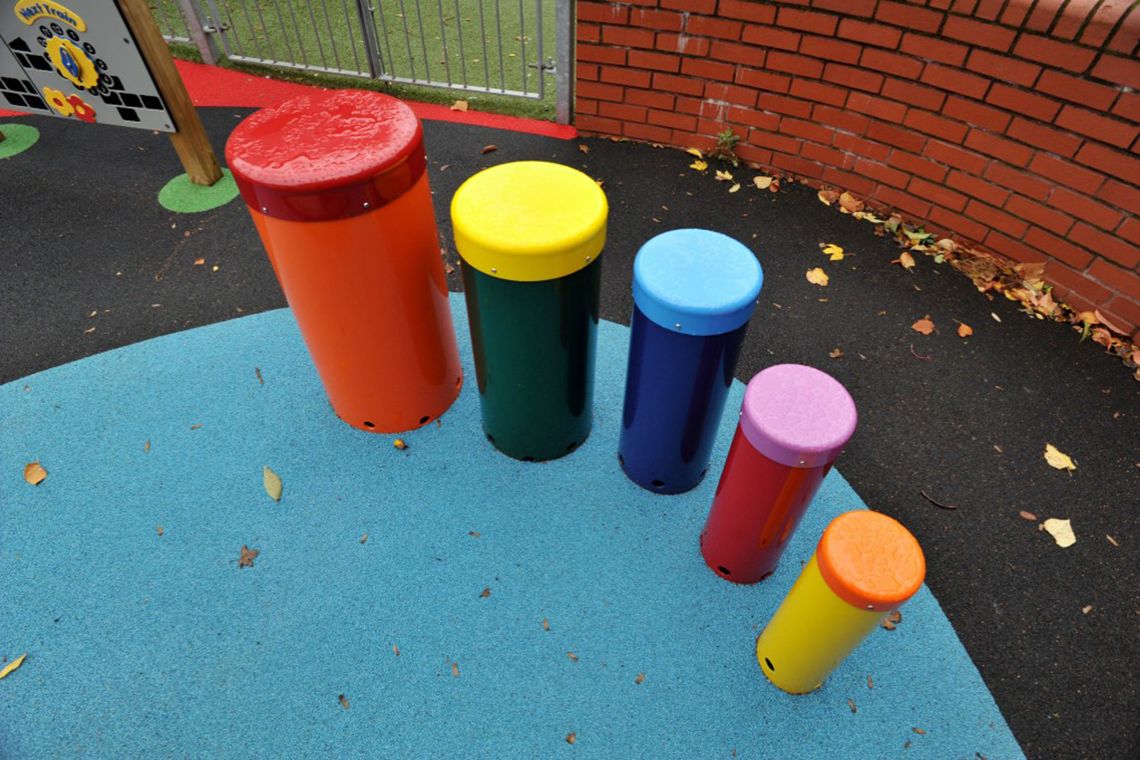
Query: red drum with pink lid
point(794, 423)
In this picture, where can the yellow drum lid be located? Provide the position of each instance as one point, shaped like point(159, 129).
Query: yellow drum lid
point(529, 220)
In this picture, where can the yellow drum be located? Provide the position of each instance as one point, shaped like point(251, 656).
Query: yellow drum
point(865, 566)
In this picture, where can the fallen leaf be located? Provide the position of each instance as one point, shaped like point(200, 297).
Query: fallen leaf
point(905, 260)
point(272, 483)
point(849, 203)
point(995, 316)
point(1060, 530)
point(817, 277)
point(474, 533)
point(774, 187)
point(486, 592)
point(964, 330)
point(1111, 540)
point(1057, 459)
point(835, 353)
point(699, 165)
point(851, 704)
point(571, 737)
point(247, 556)
point(827, 197)
point(160, 530)
point(257, 373)
point(215, 268)
point(723, 176)
point(891, 621)
point(918, 731)
point(34, 473)
point(146, 446)
point(545, 624)
point(364, 539)
point(199, 262)
point(870, 683)
point(447, 266)
point(694, 152)
point(400, 444)
point(583, 147)
point(455, 670)
point(573, 657)
point(1027, 516)
point(343, 701)
point(196, 426)
point(459, 105)
point(1087, 609)
point(489, 149)
point(444, 167)
point(640, 679)
point(762, 183)
point(832, 251)
point(735, 188)
point(13, 665)
point(396, 650)
point(924, 326)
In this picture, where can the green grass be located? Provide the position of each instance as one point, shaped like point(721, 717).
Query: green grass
point(416, 42)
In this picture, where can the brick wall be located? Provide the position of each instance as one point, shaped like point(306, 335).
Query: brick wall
point(1013, 124)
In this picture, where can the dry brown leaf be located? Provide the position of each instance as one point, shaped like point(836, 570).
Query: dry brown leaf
point(571, 737)
point(640, 679)
point(817, 277)
point(486, 592)
point(272, 483)
point(964, 330)
point(835, 353)
point(849, 203)
point(199, 262)
point(762, 183)
point(146, 446)
point(455, 670)
point(870, 683)
point(34, 473)
point(489, 149)
point(851, 704)
point(396, 650)
point(1087, 609)
point(247, 556)
point(1027, 516)
point(573, 657)
point(1057, 459)
point(160, 530)
point(545, 624)
point(459, 105)
point(583, 147)
point(400, 444)
point(905, 260)
point(827, 197)
point(364, 539)
point(12, 666)
point(891, 621)
point(774, 187)
point(1111, 540)
point(1060, 530)
point(918, 731)
point(924, 326)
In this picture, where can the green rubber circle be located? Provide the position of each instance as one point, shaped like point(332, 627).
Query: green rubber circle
point(183, 196)
point(17, 139)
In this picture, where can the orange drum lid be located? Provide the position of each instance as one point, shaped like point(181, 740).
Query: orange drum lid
point(870, 560)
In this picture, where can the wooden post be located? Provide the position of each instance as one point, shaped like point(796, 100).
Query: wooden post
point(190, 141)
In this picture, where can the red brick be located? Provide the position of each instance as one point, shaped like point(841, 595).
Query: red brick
point(930, 124)
point(690, 6)
point(642, 59)
point(763, 80)
point(798, 166)
point(869, 33)
point(624, 76)
point(771, 37)
point(809, 90)
point(978, 188)
point(807, 130)
point(830, 49)
point(860, 147)
point(732, 52)
point(998, 147)
point(1061, 54)
point(849, 7)
point(706, 69)
point(1072, 19)
point(673, 120)
point(1066, 173)
point(913, 95)
point(909, 17)
point(958, 224)
point(877, 107)
point(731, 93)
point(1104, 129)
point(1087, 210)
point(891, 63)
point(1118, 70)
point(937, 194)
point(622, 111)
point(585, 106)
point(707, 26)
point(627, 36)
point(690, 140)
point(1111, 162)
point(1010, 248)
point(1003, 67)
point(775, 142)
point(1022, 101)
point(1121, 195)
point(1037, 214)
point(981, 33)
point(1020, 181)
point(1106, 245)
point(1052, 140)
point(919, 167)
point(604, 13)
point(963, 6)
point(754, 155)
point(689, 105)
point(655, 19)
point(697, 47)
point(976, 114)
point(748, 10)
point(1058, 248)
point(647, 132)
point(824, 155)
point(1128, 107)
point(599, 91)
point(589, 123)
point(1071, 284)
point(681, 85)
point(590, 32)
point(807, 21)
point(845, 180)
point(900, 138)
point(1130, 231)
point(955, 157)
point(841, 119)
point(1127, 36)
point(598, 54)
point(795, 64)
point(1015, 13)
point(784, 105)
point(851, 77)
point(650, 99)
point(902, 200)
point(1076, 89)
point(1115, 277)
point(882, 173)
point(934, 49)
point(989, 9)
point(1099, 28)
point(587, 71)
point(995, 219)
point(1125, 312)
point(955, 80)
point(753, 118)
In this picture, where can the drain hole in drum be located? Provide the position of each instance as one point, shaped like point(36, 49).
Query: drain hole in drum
point(658, 483)
point(491, 438)
point(368, 424)
point(424, 419)
point(528, 459)
point(769, 664)
point(723, 570)
point(571, 447)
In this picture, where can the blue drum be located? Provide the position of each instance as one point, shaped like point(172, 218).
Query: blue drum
point(693, 293)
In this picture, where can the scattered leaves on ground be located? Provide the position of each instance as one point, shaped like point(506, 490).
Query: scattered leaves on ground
point(1027, 516)
point(257, 373)
point(573, 657)
point(160, 530)
point(545, 624)
point(891, 621)
point(489, 149)
point(1111, 540)
point(905, 260)
point(1060, 530)
point(364, 539)
point(640, 679)
point(735, 188)
point(583, 148)
point(272, 483)
point(870, 682)
point(723, 176)
point(34, 473)
point(13, 665)
point(695, 152)
point(964, 330)
point(571, 737)
point(146, 446)
point(1057, 459)
point(849, 204)
point(199, 262)
point(400, 444)
point(1087, 609)
point(835, 353)
point(762, 183)
point(827, 197)
point(459, 105)
point(700, 165)
point(918, 731)
point(343, 701)
point(455, 670)
point(924, 326)
point(851, 704)
point(396, 650)
point(817, 277)
point(247, 556)
point(486, 592)
point(832, 251)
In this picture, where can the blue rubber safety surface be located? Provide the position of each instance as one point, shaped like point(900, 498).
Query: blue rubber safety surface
point(160, 644)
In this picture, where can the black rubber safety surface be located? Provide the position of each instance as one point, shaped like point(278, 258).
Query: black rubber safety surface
point(92, 262)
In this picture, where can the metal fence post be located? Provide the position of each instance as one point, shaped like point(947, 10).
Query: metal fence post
point(207, 47)
point(364, 11)
point(565, 31)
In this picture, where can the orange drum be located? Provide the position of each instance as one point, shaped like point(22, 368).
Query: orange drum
point(337, 186)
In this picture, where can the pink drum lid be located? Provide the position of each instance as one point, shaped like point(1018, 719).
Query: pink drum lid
point(797, 416)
